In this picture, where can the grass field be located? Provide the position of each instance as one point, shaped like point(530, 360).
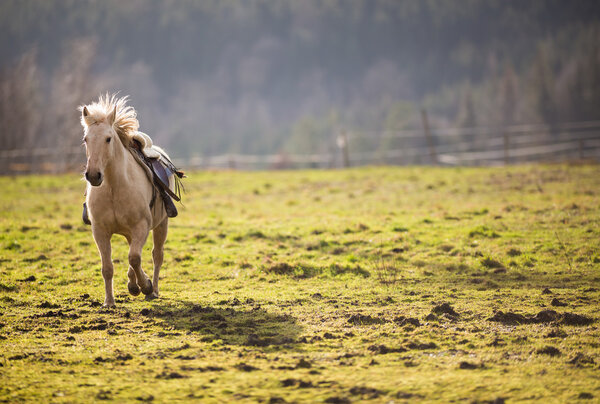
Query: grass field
point(382, 284)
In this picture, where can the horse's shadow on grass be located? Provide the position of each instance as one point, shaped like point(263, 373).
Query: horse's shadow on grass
point(240, 325)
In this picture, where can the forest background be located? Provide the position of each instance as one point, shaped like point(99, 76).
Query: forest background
point(210, 77)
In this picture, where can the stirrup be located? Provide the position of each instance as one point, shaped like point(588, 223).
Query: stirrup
point(169, 205)
point(84, 215)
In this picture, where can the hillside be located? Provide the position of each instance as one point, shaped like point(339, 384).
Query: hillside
point(259, 76)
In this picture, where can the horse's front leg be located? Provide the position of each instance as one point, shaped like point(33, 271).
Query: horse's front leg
point(138, 239)
point(102, 240)
point(159, 235)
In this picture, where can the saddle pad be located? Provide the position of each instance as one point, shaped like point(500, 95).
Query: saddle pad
point(148, 148)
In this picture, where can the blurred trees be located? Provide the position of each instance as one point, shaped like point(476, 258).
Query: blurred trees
point(20, 102)
point(544, 87)
point(39, 109)
point(509, 97)
point(72, 84)
point(466, 114)
point(259, 76)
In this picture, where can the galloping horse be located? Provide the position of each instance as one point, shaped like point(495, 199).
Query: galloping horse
point(121, 192)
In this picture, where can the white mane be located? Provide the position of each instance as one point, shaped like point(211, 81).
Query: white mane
point(126, 124)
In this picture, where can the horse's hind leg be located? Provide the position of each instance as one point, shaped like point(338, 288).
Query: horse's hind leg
point(135, 264)
point(102, 240)
point(159, 235)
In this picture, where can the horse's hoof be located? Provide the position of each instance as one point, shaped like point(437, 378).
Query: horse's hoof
point(109, 305)
point(134, 289)
point(151, 296)
point(147, 289)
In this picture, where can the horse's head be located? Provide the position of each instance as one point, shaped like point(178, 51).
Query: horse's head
point(108, 125)
point(100, 141)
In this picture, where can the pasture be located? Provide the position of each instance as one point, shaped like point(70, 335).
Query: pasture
point(382, 284)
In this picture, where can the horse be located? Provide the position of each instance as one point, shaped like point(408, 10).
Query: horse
point(120, 194)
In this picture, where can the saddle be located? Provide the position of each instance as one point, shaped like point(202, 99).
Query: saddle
point(161, 168)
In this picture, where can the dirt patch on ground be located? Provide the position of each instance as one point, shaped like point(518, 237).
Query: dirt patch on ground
point(543, 317)
point(580, 360)
point(170, 375)
point(384, 349)
point(337, 400)
point(298, 383)
point(576, 319)
point(57, 313)
point(365, 392)
point(421, 345)
point(558, 303)
point(549, 350)
point(365, 319)
point(280, 268)
point(244, 367)
point(401, 320)
point(445, 308)
point(48, 305)
point(469, 365)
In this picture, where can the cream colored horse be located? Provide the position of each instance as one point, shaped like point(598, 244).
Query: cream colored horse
point(119, 194)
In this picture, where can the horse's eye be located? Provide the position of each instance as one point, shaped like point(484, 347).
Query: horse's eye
point(107, 140)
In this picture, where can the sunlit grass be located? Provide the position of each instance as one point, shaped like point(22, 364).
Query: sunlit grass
point(271, 289)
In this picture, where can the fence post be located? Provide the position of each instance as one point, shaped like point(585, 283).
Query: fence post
point(428, 137)
point(506, 145)
point(342, 142)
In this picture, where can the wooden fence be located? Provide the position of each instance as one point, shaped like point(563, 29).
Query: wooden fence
point(454, 146)
point(451, 146)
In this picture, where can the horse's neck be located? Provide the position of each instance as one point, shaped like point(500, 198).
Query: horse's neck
point(121, 171)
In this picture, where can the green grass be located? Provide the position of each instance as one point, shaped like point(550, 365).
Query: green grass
point(314, 286)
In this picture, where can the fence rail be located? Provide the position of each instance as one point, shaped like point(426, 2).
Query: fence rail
point(448, 146)
point(452, 146)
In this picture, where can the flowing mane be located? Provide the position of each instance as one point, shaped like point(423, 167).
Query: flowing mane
point(125, 124)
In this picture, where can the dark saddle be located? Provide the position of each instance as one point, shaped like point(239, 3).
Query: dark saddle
point(161, 174)
point(162, 169)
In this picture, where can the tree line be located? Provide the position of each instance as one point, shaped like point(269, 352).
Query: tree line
point(257, 76)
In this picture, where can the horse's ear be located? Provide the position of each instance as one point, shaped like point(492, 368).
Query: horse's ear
point(85, 117)
point(112, 116)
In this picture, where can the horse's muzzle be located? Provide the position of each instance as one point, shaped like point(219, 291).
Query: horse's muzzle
point(95, 179)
